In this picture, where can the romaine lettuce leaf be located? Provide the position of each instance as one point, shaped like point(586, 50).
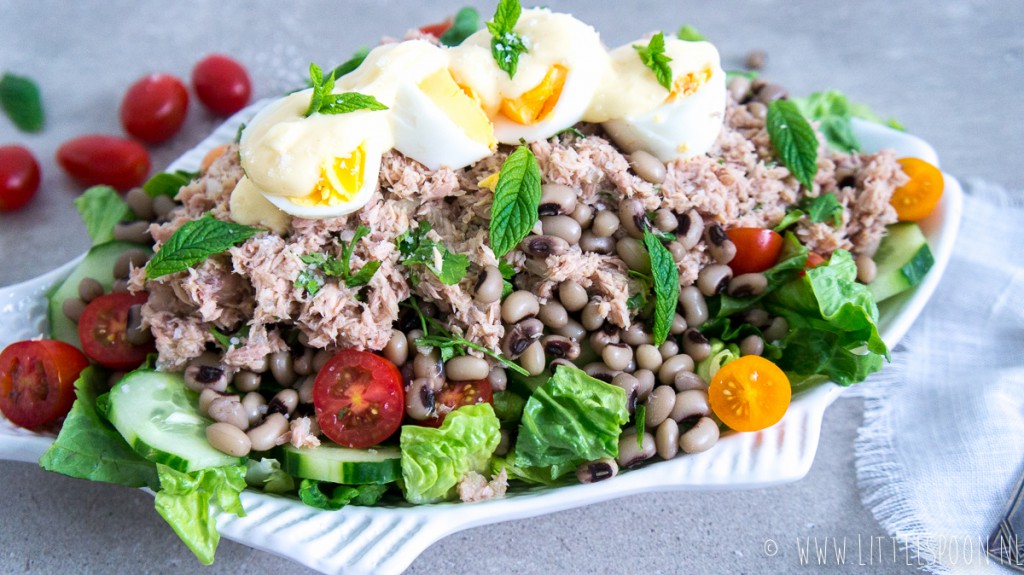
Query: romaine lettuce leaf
point(570, 419)
point(267, 475)
point(833, 323)
point(88, 447)
point(537, 475)
point(312, 493)
point(187, 501)
point(433, 460)
point(101, 208)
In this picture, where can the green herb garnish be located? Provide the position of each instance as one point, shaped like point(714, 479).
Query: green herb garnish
point(516, 199)
point(228, 341)
point(416, 249)
point(794, 140)
point(324, 101)
point(312, 279)
point(194, 242)
point(466, 22)
point(506, 45)
point(666, 286)
point(690, 34)
point(168, 183)
point(19, 98)
point(824, 208)
point(653, 56)
point(351, 64)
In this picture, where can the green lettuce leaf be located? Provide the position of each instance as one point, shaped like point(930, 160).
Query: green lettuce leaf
point(188, 502)
point(102, 208)
point(267, 475)
point(433, 460)
point(833, 323)
point(535, 475)
point(88, 447)
point(570, 419)
point(312, 493)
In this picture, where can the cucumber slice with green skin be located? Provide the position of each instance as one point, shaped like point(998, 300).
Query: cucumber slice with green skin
point(337, 464)
point(903, 259)
point(98, 265)
point(159, 417)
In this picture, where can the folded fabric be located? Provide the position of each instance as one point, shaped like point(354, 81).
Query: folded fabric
point(942, 445)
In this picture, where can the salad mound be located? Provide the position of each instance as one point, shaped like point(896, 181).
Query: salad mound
point(468, 261)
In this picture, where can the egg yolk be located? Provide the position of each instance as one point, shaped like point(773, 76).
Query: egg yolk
point(459, 105)
point(535, 104)
point(341, 178)
point(687, 84)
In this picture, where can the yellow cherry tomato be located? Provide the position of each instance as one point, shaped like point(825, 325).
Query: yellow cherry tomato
point(749, 393)
point(918, 197)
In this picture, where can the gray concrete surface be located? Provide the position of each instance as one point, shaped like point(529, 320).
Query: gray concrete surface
point(950, 71)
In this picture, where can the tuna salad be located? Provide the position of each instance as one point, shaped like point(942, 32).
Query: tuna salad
point(483, 258)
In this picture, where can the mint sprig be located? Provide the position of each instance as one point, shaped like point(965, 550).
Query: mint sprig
point(666, 286)
point(324, 101)
point(516, 198)
point(794, 140)
point(415, 248)
point(319, 265)
point(19, 98)
point(194, 242)
point(466, 22)
point(506, 45)
point(653, 56)
point(352, 63)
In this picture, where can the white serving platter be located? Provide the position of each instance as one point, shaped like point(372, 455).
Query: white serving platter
point(385, 540)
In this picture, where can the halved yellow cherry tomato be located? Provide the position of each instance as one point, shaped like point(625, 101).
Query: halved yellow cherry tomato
point(749, 393)
point(918, 198)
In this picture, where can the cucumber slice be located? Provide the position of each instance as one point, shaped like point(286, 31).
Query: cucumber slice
point(338, 464)
point(99, 265)
point(159, 417)
point(903, 259)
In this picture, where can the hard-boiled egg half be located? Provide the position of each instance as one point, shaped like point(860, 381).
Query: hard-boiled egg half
point(434, 120)
point(554, 82)
point(319, 166)
point(681, 122)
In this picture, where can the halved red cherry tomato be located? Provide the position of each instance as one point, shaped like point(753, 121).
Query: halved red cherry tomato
point(98, 159)
point(221, 84)
point(359, 398)
point(454, 395)
point(757, 249)
point(37, 381)
point(102, 329)
point(19, 177)
point(154, 108)
point(438, 28)
point(749, 393)
point(813, 260)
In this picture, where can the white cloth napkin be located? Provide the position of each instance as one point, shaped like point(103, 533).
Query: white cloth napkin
point(942, 445)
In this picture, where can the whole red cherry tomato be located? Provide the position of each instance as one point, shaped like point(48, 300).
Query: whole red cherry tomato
point(757, 249)
point(19, 177)
point(98, 159)
point(221, 84)
point(154, 108)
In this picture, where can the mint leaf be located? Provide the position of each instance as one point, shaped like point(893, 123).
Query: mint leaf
point(666, 286)
point(794, 141)
point(653, 56)
point(349, 102)
point(19, 98)
point(516, 199)
point(351, 64)
point(824, 208)
point(466, 22)
point(690, 34)
point(416, 249)
point(506, 45)
point(194, 242)
point(316, 80)
point(102, 208)
point(833, 112)
point(168, 183)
